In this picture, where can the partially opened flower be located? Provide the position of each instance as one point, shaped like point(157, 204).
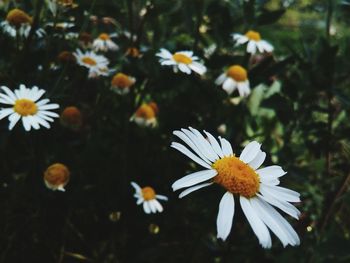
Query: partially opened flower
point(148, 197)
point(146, 115)
point(104, 43)
point(25, 105)
point(121, 83)
point(255, 43)
point(56, 177)
point(181, 60)
point(97, 64)
point(235, 77)
point(19, 23)
point(257, 189)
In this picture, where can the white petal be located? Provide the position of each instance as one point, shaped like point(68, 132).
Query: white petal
point(5, 112)
point(255, 222)
point(162, 197)
point(184, 68)
point(152, 206)
point(38, 95)
point(49, 107)
point(229, 86)
point(136, 187)
point(33, 121)
point(226, 147)
point(193, 188)
point(5, 99)
point(146, 207)
point(221, 79)
point(14, 118)
point(243, 88)
point(251, 47)
point(49, 113)
point(250, 151)
point(194, 178)
point(42, 102)
point(283, 205)
point(214, 143)
point(267, 46)
point(42, 121)
point(140, 201)
point(225, 216)
point(168, 63)
point(9, 93)
point(280, 193)
point(158, 206)
point(26, 123)
point(189, 154)
point(258, 160)
point(270, 173)
point(206, 146)
point(197, 67)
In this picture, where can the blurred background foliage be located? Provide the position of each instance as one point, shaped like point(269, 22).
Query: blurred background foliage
point(298, 110)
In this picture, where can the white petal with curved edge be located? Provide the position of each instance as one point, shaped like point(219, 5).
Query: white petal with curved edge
point(162, 197)
point(136, 187)
point(280, 193)
point(251, 47)
point(140, 201)
point(49, 107)
point(226, 147)
point(214, 143)
point(250, 151)
point(267, 46)
point(198, 67)
point(229, 85)
point(193, 179)
point(5, 99)
point(14, 118)
point(283, 205)
point(168, 63)
point(26, 123)
point(158, 206)
point(5, 112)
point(270, 173)
point(192, 189)
point(146, 207)
point(152, 206)
point(189, 154)
point(38, 95)
point(43, 122)
point(225, 216)
point(258, 160)
point(184, 68)
point(209, 151)
point(255, 222)
point(49, 113)
point(221, 79)
point(9, 93)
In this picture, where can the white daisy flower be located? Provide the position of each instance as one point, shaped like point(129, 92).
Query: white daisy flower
point(104, 43)
point(146, 115)
point(121, 83)
point(148, 197)
point(97, 64)
point(25, 105)
point(255, 43)
point(19, 23)
point(257, 189)
point(181, 60)
point(235, 77)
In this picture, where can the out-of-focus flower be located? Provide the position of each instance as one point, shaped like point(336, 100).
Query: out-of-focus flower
point(25, 105)
point(148, 197)
point(146, 115)
point(235, 77)
point(19, 23)
point(97, 64)
point(255, 43)
point(55, 5)
point(222, 129)
point(56, 177)
point(133, 52)
point(209, 51)
point(71, 117)
point(104, 43)
point(85, 40)
point(66, 57)
point(257, 189)
point(121, 83)
point(182, 60)
point(61, 25)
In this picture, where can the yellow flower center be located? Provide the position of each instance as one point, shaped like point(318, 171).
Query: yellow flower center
point(181, 58)
point(89, 61)
point(25, 107)
point(17, 17)
point(104, 37)
point(145, 111)
point(121, 80)
point(237, 72)
point(71, 117)
point(57, 174)
point(253, 35)
point(236, 176)
point(148, 193)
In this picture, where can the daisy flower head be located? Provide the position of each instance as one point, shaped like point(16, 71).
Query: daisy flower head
point(25, 105)
point(56, 177)
point(146, 115)
point(148, 197)
point(255, 43)
point(235, 77)
point(121, 83)
point(97, 64)
point(104, 43)
point(256, 189)
point(181, 60)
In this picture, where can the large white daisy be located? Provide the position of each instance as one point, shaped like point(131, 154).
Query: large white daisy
point(104, 43)
point(235, 77)
point(97, 64)
point(148, 197)
point(25, 105)
point(255, 43)
point(181, 60)
point(257, 189)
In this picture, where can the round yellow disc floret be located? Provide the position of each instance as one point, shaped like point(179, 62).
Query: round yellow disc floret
point(18, 17)
point(253, 35)
point(238, 73)
point(25, 107)
point(181, 58)
point(148, 193)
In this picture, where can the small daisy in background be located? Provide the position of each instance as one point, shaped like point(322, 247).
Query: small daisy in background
point(181, 60)
point(97, 64)
point(25, 105)
point(104, 43)
point(19, 23)
point(56, 177)
point(257, 189)
point(235, 77)
point(121, 83)
point(148, 197)
point(146, 115)
point(255, 43)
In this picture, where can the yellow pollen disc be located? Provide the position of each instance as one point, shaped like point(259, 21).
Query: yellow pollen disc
point(122, 80)
point(104, 37)
point(237, 72)
point(25, 107)
point(253, 35)
point(148, 193)
point(57, 174)
point(236, 176)
point(89, 61)
point(146, 112)
point(17, 17)
point(181, 58)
